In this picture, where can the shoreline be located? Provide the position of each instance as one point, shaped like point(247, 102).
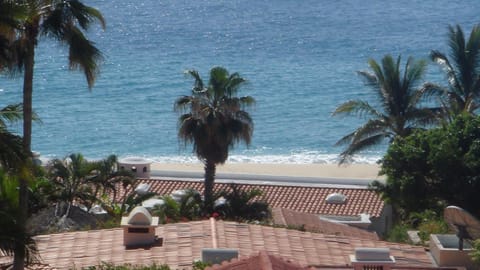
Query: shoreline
point(353, 171)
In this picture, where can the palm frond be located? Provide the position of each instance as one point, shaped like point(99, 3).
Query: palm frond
point(11, 113)
point(182, 102)
point(198, 85)
point(443, 62)
point(414, 72)
point(247, 101)
point(12, 155)
point(83, 55)
point(83, 14)
point(347, 155)
point(358, 108)
point(429, 89)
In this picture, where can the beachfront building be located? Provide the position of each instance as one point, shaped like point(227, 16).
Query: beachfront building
point(358, 206)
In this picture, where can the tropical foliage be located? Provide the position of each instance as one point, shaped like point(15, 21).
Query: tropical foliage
point(187, 207)
point(11, 235)
point(434, 168)
point(462, 70)
point(475, 253)
point(232, 204)
point(12, 155)
point(214, 120)
point(397, 111)
point(242, 205)
point(77, 180)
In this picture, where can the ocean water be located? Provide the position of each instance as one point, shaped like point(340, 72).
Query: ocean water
point(300, 58)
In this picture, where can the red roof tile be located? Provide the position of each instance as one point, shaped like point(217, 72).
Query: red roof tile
point(312, 223)
point(298, 198)
point(261, 261)
point(182, 244)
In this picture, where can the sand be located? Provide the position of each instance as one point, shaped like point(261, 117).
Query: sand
point(355, 171)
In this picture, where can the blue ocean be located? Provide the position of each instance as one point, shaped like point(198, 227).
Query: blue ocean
point(299, 57)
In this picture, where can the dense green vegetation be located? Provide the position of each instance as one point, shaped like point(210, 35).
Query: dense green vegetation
point(434, 168)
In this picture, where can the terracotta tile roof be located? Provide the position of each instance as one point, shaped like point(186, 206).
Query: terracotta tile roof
point(265, 261)
point(6, 262)
point(312, 223)
point(298, 198)
point(32, 266)
point(260, 261)
point(181, 244)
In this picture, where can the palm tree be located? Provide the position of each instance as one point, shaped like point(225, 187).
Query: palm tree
point(398, 112)
point(64, 21)
point(214, 121)
point(462, 71)
point(243, 205)
point(71, 178)
point(106, 176)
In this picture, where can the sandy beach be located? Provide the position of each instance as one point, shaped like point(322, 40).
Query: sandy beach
point(355, 171)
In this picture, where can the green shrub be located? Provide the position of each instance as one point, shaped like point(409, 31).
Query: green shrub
point(431, 227)
point(475, 254)
point(398, 234)
point(199, 265)
point(428, 222)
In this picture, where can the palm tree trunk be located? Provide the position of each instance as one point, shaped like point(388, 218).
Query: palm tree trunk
point(19, 257)
point(19, 254)
point(210, 168)
point(27, 97)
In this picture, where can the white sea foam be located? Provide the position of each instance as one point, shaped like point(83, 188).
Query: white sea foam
point(271, 159)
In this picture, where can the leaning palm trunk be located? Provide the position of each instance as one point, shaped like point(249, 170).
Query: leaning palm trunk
point(210, 169)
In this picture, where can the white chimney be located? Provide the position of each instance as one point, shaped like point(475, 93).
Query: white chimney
point(139, 228)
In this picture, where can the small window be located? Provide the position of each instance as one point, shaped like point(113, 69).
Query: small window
point(144, 169)
point(138, 230)
point(134, 169)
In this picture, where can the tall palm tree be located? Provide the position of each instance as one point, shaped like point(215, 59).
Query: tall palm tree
point(66, 22)
point(214, 120)
point(462, 71)
point(398, 112)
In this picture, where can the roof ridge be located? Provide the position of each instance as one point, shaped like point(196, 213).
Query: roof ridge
point(213, 229)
